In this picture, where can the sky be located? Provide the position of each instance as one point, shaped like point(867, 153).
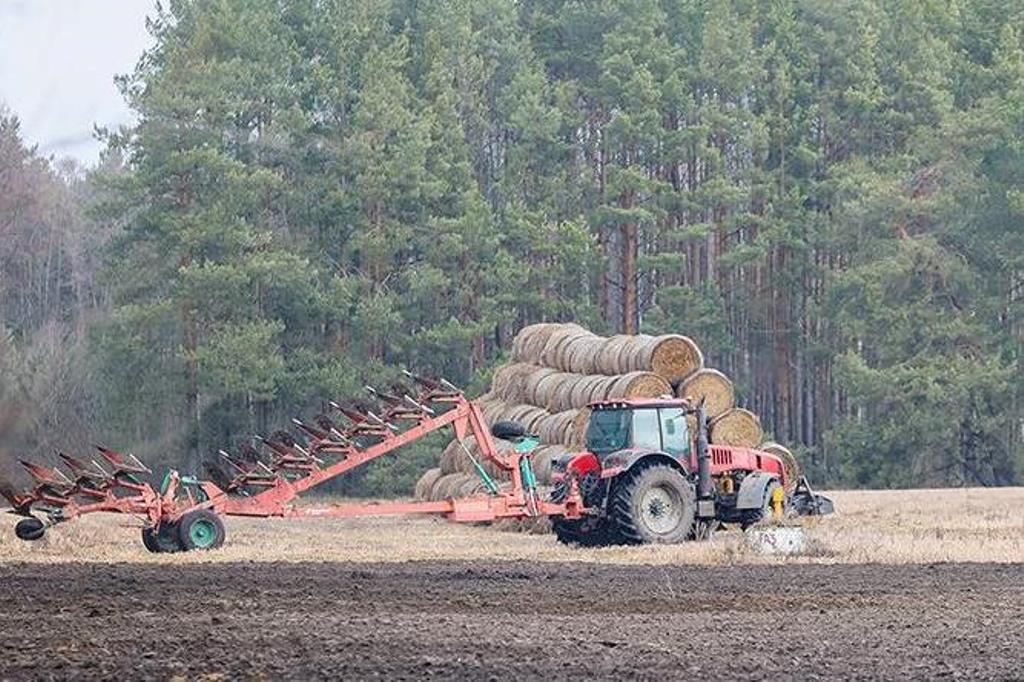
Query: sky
point(58, 59)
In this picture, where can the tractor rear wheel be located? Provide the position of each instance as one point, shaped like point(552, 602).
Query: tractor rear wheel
point(163, 541)
point(200, 529)
point(586, 532)
point(656, 504)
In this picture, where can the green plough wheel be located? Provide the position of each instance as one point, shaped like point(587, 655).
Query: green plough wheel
point(201, 529)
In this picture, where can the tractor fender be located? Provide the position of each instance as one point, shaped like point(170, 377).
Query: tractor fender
point(626, 460)
point(752, 490)
point(578, 463)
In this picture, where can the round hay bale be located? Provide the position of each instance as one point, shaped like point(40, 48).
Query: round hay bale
point(471, 485)
point(448, 463)
point(492, 469)
point(511, 412)
point(608, 355)
point(552, 352)
point(486, 402)
point(713, 386)
point(600, 388)
point(691, 427)
point(583, 355)
point(494, 411)
point(566, 433)
point(556, 428)
point(632, 354)
point(671, 356)
point(547, 387)
point(531, 383)
point(541, 463)
point(444, 486)
point(578, 431)
point(519, 413)
point(508, 381)
point(426, 483)
point(463, 456)
point(580, 394)
point(639, 385)
point(543, 460)
point(531, 420)
point(737, 427)
point(561, 355)
point(546, 428)
point(522, 339)
point(534, 346)
point(500, 380)
point(789, 462)
point(561, 400)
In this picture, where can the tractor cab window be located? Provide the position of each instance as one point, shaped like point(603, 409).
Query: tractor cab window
point(646, 431)
point(608, 431)
point(674, 432)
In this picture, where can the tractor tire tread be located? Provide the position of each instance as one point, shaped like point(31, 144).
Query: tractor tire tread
point(622, 513)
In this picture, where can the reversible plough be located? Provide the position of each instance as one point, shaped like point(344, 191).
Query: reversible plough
point(264, 480)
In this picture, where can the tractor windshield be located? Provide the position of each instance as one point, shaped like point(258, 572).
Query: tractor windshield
point(608, 431)
point(648, 428)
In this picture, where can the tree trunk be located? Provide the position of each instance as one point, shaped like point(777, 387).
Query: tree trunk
point(190, 342)
point(630, 246)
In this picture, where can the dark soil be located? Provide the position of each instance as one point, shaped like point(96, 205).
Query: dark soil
point(508, 620)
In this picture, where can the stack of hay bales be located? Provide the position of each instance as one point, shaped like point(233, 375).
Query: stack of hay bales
point(559, 369)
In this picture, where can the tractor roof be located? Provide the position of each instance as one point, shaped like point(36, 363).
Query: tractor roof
point(622, 403)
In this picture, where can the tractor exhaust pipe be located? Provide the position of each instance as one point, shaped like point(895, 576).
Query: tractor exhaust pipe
point(705, 487)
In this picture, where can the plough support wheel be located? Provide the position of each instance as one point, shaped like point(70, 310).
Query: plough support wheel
point(163, 541)
point(30, 529)
point(200, 529)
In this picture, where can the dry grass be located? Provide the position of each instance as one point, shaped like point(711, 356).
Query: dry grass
point(919, 526)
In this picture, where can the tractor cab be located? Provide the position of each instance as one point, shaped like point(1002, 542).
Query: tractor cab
point(640, 425)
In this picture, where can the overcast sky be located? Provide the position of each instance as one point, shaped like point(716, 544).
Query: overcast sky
point(58, 59)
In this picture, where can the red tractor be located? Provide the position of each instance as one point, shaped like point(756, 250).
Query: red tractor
point(644, 478)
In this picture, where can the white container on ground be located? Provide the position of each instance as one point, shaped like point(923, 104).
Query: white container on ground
point(777, 540)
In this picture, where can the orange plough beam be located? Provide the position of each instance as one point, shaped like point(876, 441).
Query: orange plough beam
point(262, 489)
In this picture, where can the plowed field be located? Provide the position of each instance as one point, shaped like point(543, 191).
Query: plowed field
point(503, 620)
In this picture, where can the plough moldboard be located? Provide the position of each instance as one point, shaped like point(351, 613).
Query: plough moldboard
point(265, 477)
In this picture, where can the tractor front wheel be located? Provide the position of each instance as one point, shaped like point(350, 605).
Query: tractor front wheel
point(200, 529)
point(655, 505)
